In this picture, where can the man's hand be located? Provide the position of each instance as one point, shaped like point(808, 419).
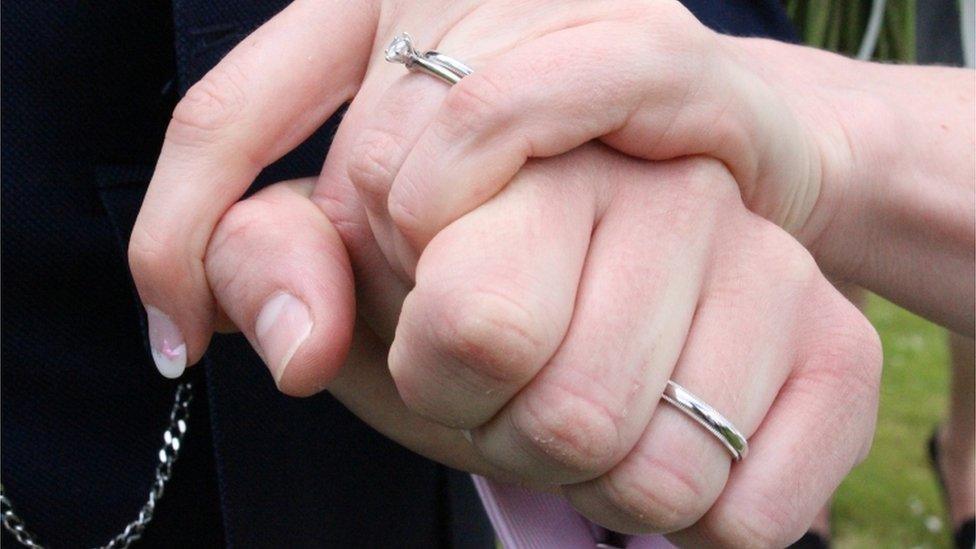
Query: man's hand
point(547, 322)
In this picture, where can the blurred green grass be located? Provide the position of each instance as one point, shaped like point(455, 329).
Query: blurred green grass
point(838, 25)
point(893, 499)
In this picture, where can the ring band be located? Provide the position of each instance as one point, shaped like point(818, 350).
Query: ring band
point(709, 418)
point(450, 70)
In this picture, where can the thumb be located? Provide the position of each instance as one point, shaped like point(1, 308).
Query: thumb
point(261, 101)
point(279, 270)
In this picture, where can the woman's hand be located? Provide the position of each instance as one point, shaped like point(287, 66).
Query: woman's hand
point(666, 82)
point(547, 322)
point(869, 166)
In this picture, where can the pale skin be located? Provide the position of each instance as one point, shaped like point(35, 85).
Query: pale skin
point(420, 171)
point(562, 393)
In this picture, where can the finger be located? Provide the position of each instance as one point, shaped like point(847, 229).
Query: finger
point(386, 119)
point(819, 427)
point(590, 403)
point(260, 101)
point(365, 387)
point(646, 84)
point(540, 98)
point(737, 356)
point(494, 296)
point(394, 106)
point(280, 272)
point(376, 130)
point(391, 110)
point(380, 292)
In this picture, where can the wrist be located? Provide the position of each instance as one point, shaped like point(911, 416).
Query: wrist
point(895, 201)
point(815, 88)
point(857, 134)
point(898, 197)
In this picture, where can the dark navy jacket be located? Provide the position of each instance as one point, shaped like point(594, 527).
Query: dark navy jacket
point(87, 88)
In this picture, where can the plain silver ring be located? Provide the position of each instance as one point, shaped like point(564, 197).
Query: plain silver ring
point(709, 418)
point(448, 69)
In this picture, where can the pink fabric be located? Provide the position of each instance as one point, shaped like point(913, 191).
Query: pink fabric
point(524, 519)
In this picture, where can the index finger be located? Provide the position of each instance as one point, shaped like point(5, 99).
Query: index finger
point(263, 99)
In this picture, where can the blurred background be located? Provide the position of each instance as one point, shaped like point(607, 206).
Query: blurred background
point(893, 498)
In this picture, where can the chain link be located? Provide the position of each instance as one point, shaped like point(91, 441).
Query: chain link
point(173, 437)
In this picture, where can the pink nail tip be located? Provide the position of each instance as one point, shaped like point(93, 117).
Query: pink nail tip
point(171, 352)
point(166, 341)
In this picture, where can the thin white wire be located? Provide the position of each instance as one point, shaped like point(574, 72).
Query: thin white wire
point(967, 21)
point(873, 30)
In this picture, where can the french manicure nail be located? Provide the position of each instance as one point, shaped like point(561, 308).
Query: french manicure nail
point(281, 327)
point(167, 344)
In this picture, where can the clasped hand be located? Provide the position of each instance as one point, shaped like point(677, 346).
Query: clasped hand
point(517, 316)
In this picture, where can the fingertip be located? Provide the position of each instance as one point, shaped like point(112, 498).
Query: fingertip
point(309, 352)
point(280, 271)
point(167, 344)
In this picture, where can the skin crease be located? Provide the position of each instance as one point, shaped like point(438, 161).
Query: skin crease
point(825, 358)
point(383, 203)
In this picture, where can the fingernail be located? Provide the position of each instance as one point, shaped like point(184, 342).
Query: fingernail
point(281, 327)
point(467, 435)
point(166, 343)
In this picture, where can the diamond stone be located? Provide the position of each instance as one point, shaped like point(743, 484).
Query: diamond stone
point(400, 49)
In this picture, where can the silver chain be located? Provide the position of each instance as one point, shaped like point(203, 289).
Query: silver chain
point(172, 441)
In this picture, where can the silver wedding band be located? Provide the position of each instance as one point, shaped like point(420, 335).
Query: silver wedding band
point(450, 70)
point(709, 418)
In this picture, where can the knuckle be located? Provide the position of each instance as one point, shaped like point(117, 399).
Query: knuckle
point(151, 252)
point(233, 245)
point(572, 429)
point(676, 28)
point(666, 496)
point(848, 355)
point(491, 334)
point(845, 361)
point(710, 178)
point(346, 216)
point(373, 164)
point(767, 524)
point(472, 107)
point(402, 206)
point(786, 260)
point(210, 105)
point(636, 9)
point(865, 348)
point(238, 225)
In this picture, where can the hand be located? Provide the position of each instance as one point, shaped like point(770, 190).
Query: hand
point(283, 249)
point(284, 80)
point(870, 166)
point(795, 138)
point(548, 320)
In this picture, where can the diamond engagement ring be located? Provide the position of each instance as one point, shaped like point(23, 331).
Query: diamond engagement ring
point(448, 69)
